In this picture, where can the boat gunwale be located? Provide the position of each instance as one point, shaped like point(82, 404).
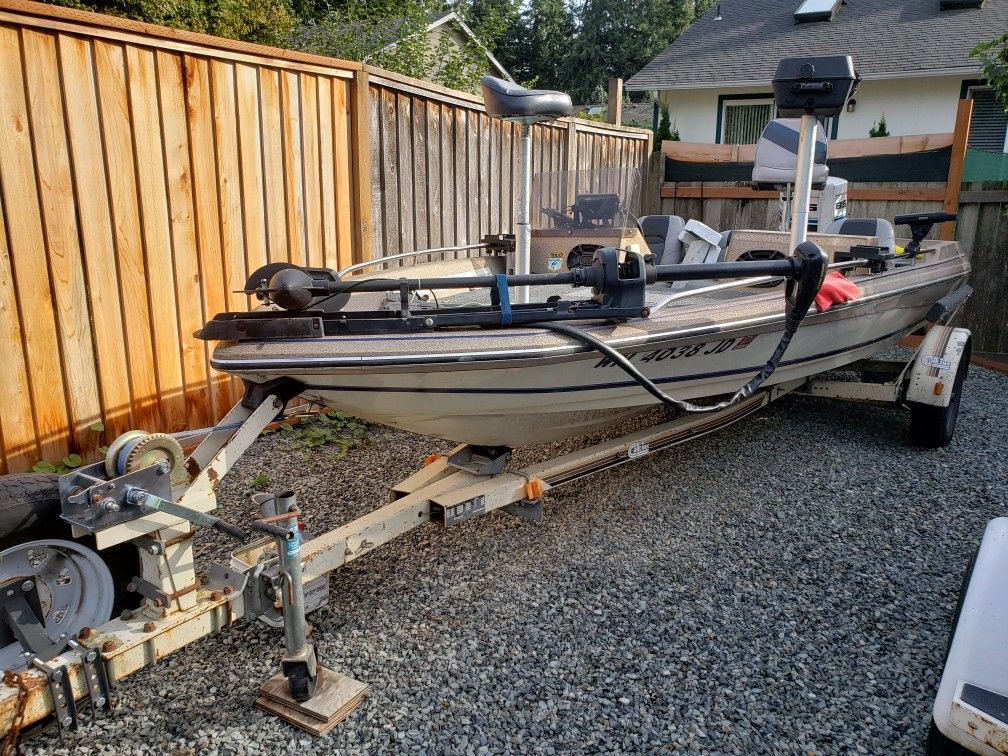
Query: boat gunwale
point(569, 352)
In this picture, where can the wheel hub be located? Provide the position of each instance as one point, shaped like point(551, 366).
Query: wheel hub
point(74, 588)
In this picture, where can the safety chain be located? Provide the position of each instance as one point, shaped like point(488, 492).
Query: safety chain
point(11, 743)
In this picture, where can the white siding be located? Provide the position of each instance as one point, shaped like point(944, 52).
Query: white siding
point(911, 106)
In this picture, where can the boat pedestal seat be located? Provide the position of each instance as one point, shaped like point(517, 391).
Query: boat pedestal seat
point(661, 234)
point(512, 102)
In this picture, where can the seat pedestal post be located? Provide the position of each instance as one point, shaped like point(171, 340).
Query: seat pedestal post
point(523, 237)
point(803, 180)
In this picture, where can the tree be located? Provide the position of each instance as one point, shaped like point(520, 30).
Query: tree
point(615, 38)
point(268, 22)
point(392, 34)
point(664, 128)
point(534, 44)
point(993, 58)
point(384, 33)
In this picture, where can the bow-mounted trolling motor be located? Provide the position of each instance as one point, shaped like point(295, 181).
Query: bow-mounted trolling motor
point(310, 300)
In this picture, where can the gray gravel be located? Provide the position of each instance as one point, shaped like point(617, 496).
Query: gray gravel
point(784, 585)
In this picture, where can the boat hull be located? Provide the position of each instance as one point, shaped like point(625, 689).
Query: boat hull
point(481, 391)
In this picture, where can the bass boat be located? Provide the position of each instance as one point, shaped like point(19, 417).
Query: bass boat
point(482, 350)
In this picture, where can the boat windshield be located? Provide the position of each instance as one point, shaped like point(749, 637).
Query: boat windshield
point(586, 200)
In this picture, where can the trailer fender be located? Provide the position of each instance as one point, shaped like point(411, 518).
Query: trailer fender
point(971, 707)
point(934, 371)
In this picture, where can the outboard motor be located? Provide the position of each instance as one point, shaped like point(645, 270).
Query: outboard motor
point(776, 166)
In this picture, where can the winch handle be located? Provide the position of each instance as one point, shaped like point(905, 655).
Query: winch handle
point(801, 290)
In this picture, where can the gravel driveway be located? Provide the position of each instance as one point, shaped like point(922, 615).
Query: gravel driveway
point(783, 585)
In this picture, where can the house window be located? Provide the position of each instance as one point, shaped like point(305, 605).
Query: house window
point(743, 120)
point(989, 127)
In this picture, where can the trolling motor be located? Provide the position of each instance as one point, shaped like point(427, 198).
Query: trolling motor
point(309, 298)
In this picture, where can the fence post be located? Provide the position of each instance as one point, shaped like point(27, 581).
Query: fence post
point(570, 164)
point(614, 103)
point(360, 159)
point(953, 184)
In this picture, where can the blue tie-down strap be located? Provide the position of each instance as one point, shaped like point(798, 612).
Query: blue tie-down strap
point(505, 302)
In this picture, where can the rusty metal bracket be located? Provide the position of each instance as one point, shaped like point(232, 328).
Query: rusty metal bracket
point(157, 547)
point(95, 675)
point(61, 690)
point(224, 580)
point(150, 591)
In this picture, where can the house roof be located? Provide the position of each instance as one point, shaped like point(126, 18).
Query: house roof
point(435, 20)
point(389, 33)
point(888, 39)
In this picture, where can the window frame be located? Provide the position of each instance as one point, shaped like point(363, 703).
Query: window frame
point(968, 88)
point(747, 98)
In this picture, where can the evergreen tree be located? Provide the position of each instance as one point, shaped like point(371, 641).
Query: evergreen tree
point(615, 38)
point(535, 46)
point(664, 128)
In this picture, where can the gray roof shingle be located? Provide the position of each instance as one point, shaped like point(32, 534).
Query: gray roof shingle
point(887, 39)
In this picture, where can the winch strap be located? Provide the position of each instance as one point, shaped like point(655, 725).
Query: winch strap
point(502, 295)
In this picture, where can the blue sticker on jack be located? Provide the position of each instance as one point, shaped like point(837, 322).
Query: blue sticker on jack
point(294, 545)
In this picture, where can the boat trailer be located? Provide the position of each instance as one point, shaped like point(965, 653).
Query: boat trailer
point(281, 577)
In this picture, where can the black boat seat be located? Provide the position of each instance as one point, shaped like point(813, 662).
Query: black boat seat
point(511, 102)
point(661, 234)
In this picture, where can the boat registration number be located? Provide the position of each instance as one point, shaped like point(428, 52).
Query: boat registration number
point(686, 351)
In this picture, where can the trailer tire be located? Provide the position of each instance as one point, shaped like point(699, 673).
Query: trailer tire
point(933, 427)
point(30, 510)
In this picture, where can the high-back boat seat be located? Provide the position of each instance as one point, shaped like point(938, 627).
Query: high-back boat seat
point(661, 234)
point(776, 161)
point(879, 228)
point(507, 100)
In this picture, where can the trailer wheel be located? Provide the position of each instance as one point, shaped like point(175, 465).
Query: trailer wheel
point(932, 427)
point(302, 686)
point(30, 510)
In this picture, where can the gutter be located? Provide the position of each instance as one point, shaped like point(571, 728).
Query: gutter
point(966, 71)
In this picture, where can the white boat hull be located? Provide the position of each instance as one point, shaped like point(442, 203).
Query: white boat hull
point(492, 397)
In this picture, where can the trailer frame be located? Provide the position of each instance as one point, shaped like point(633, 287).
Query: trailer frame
point(182, 604)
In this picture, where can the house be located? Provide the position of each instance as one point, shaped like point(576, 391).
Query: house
point(448, 24)
point(372, 37)
point(913, 57)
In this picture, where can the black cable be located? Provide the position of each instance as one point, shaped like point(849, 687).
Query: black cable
point(348, 290)
point(630, 369)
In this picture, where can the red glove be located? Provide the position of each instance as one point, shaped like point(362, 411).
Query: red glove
point(836, 288)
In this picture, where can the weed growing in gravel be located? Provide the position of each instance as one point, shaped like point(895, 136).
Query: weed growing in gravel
point(71, 461)
point(327, 428)
point(260, 481)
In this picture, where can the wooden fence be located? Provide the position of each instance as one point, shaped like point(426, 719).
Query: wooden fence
point(445, 173)
point(144, 172)
point(982, 226)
